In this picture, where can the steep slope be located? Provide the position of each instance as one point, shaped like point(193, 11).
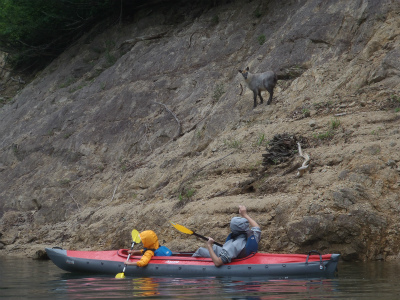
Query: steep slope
point(149, 122)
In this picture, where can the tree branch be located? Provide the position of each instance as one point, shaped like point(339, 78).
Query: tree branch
point(143, 38)
point(77, 204)
point(304, 166)
point(112, 198)
point(177, 120)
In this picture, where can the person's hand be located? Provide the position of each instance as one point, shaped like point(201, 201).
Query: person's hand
point(242, 210)
point(210, 241)
point(130, 263)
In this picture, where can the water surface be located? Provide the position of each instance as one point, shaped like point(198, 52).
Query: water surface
point(29, 279)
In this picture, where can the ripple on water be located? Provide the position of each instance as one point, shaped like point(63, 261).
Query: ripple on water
point(28, 279)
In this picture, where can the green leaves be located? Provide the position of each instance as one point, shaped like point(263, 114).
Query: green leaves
point(31, 32)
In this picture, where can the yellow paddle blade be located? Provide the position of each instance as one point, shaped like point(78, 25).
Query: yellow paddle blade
point(120, 275)
point(181, 228)
point(135, 236)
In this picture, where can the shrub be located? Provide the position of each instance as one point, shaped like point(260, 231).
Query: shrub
point(32, 33)
point(218, 92)
point(261, 39)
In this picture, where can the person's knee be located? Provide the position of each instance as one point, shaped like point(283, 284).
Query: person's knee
point(201, 252)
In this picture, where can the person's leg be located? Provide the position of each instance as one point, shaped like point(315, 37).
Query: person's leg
point(203, 252)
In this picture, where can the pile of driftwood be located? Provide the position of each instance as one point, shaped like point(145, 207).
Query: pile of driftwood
point(282, 148)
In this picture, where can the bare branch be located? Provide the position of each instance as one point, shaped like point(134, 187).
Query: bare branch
point(177, 120)
point(143, 38)
point(191, 36)
point(304, 166)
point(19, 80)
point(341, 114)
point(112, 198)
point(145, 136)
point(76, 202)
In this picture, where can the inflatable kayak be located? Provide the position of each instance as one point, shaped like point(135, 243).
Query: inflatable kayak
point(182, 264)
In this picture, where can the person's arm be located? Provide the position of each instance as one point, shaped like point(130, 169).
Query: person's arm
point(133, 252)
point(144, 261)
point(217, 260)
point(243, 213)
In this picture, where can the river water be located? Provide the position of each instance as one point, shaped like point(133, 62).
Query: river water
point(29, 279)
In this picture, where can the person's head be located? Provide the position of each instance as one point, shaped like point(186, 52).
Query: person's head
point(239, 225)
point(149, 239)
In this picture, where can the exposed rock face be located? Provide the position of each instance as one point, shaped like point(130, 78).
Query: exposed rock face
point(149, 122)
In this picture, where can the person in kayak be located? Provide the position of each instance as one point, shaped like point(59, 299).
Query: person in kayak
point(235, 246)
point(151, 248)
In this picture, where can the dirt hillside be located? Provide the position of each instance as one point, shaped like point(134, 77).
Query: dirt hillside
point(150, 121)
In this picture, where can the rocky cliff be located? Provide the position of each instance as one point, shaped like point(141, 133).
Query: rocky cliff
point(150, 121)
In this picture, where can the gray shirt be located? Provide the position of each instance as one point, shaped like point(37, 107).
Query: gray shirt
point(232, 248)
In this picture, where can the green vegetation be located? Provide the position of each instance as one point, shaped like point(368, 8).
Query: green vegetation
point(235, 144)
point(261, 39)
point(111, 59)
point(324, 136)
point(64, 182)
point(200, 134)
point(3, 100)
point(218, 92)
point(395, 98)
point(306, 112)
point(333, 125)
point(255, 165)
point(67, 82)
point(260, 139)
point(376, 132)
point(257, 13)
point(215, 20)
point(186, 194)
point(123, 165)
point(67, 135)
point(32, 33)
point(15, 149)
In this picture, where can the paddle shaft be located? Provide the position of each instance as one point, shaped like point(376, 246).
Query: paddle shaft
point(133, 244)
point(204, 238)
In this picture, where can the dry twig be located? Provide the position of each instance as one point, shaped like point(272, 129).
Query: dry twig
point(175, 117)
point(304, 166)
point(143, 38)
point(76, 202)
point(19, 80)
point(120, 178)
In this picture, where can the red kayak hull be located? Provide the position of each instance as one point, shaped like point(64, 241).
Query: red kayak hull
point(182, 264)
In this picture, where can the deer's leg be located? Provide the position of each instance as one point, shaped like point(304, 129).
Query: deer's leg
point(255, 99)
point(271, 94)
point(259, 94)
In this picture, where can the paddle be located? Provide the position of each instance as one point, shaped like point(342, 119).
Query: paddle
point(183, 229)
point(135, 240)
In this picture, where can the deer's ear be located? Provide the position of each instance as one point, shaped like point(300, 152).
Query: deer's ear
point(247, 68)
point(240, 71)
